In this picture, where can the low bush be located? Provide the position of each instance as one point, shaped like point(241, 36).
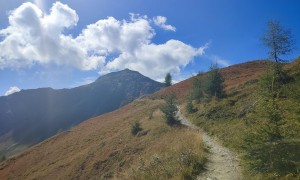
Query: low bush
point(135, 128)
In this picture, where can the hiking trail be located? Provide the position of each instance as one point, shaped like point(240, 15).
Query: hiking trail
point(222, 164)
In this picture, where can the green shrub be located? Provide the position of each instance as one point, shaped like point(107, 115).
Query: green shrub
point(189, 106)
point(214, 84)
point(281, 157)
point(135, 128)
point(191, 163)
point(170, 109)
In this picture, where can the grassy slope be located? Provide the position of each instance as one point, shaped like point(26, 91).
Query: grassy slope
point(230, 119)
point(103, 147)
point(235, 76)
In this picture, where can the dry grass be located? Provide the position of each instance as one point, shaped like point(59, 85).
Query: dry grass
point(232, 118)
point(103, 147)
point(234, 76)
point(174, 156)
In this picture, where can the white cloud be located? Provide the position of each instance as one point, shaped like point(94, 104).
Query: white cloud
point(156, 60)
point(34, 37)
point(161, 22)
point(12, 90)
point(40, 4)
point(219, 60)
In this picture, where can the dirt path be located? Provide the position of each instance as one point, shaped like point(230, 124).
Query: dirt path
point(222, 163)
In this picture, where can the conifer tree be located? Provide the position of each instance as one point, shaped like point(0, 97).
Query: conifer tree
point(214, 84)
point(279, 41)
point(168, 80)
point(197, 92)
point(170, 110)
point(189, 106)
point(264, 143)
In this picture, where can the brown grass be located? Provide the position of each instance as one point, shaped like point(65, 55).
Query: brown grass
point(234, 77)
point(103, 147)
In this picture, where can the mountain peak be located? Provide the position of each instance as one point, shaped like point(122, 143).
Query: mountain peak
point(48, 110)
point(127, 70)
point(122, 74)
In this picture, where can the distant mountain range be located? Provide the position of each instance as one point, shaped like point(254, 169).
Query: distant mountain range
point(30, 116)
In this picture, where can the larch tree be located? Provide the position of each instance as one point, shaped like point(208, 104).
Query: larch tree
point(279, 41)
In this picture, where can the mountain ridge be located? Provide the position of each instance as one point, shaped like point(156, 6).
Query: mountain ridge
point(108, 145)
point(36, 114)
point(103, 147)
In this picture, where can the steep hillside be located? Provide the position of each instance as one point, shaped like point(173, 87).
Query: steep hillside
point(103, 147)
point(247, 120)
point(234, 76)
point(30, 116)
point(237, 119)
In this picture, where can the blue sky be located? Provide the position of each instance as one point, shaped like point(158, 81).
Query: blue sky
point(69, 43)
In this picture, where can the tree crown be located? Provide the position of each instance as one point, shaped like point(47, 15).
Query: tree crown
point(278, 40)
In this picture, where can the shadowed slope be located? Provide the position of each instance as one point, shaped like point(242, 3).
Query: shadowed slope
point(103, 147)
point(30, 116)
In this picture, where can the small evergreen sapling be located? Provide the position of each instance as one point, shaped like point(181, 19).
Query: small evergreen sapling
point(168, 80)
point(136, 128)
point(170, 110)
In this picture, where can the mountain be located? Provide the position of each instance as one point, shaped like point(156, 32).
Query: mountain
point(104, 148)
point(30, 116)
point(249, 116)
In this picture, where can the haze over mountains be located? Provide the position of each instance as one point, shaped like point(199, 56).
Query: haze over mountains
point(30, 116)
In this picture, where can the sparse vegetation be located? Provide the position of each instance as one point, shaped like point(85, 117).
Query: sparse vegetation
point(269, 148)
point(104, 148)
point(259, 119)
point(135, 128)
point(185, 160)
point(204, 87)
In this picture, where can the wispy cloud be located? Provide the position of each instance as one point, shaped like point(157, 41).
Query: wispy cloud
point(161, 22)
point(219, 60)
point(12, 90)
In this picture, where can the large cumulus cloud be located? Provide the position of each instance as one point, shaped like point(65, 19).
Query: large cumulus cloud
point(35, 37)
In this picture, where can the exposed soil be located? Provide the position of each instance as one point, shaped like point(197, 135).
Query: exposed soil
point(222, 163)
